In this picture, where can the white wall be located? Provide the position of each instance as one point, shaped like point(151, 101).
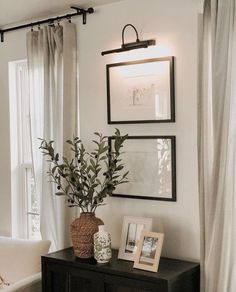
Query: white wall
point(174, 25)
point(12, 49)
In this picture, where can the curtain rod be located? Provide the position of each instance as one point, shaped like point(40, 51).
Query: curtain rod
point(79, 11)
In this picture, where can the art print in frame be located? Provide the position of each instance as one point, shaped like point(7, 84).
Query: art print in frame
point(148, 252)
point(151, 162)
point(131, 230)
point(141, 91)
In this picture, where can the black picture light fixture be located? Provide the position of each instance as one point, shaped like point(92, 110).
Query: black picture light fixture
point(131, 46)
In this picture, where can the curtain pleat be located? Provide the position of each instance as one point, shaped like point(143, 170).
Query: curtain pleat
point(52, 113)
point(217, 146)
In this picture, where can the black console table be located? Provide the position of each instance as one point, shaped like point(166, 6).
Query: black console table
point(63, 272)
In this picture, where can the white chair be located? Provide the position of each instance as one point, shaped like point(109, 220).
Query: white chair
point(20, 263)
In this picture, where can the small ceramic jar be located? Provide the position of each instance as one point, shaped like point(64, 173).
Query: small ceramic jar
point(102, 245)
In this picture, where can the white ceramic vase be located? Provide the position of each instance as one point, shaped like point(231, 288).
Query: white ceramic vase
point(102, 245)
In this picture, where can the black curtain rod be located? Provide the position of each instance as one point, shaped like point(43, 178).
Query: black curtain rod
point(79, 11)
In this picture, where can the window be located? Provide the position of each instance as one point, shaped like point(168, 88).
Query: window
point(25, 203)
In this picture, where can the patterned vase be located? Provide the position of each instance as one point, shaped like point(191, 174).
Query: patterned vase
point(82, 232)
point(102, 245)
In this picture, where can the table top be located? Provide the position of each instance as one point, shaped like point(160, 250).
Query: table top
point(169, 269)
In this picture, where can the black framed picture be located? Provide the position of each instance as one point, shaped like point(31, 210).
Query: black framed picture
point(151, 162)
point(141, 91)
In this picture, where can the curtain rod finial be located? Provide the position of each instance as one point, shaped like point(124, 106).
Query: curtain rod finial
point(90, 10)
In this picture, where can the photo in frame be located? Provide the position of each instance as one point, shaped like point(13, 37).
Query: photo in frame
point(151, 162)
point(148, 252)
point(141, 91)
point(131, 230)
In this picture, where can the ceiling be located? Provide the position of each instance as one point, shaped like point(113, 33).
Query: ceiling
point(12, 11)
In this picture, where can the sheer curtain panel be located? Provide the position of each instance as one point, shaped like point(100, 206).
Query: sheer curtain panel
point(51, 53)
point(217, 146)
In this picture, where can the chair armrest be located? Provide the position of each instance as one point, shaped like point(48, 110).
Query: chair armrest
point(29, 284)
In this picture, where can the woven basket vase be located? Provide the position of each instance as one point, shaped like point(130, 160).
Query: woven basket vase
point(82, 231)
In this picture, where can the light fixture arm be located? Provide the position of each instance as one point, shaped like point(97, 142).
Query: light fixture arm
point(131, 46)
point(123, 33)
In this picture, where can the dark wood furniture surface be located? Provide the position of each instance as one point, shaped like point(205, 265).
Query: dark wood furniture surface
point(63, 272)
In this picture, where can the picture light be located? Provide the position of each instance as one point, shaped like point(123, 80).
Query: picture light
point(131, 46)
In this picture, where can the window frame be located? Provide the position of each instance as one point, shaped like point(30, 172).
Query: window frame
point(21, 162)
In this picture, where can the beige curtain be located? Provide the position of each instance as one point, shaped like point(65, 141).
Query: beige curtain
point(52, 82)
point(217, 146)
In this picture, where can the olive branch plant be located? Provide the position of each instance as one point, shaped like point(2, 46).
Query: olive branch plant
point(87, 178)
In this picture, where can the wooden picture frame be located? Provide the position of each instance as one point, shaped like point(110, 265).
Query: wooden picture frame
point(149, 249)
point(131, 230)
point(151, 162)
point(141, 91)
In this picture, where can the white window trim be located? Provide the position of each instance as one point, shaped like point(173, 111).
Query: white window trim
point(19, 189)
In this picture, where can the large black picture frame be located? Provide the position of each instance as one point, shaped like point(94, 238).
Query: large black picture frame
point(146, 90)
point(144, 165)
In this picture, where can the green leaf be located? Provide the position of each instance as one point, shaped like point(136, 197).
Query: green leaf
point(124, 176)
point(96, 142)
point(54, 169)
point(90, 168)
point(98, 181)
point(103, 158)
point(102, 144)
point(60, 194)
point(117, 132)
point(98, 169)
point(119, 167)
point(93, 163)
point(123, 182)
point(93, 170)
point(69, 142)
point(116, 146)
point(67, 189)
point(104, 149)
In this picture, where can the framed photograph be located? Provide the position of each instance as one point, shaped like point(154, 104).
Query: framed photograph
point(151, 162)
point(141, 91)
point(131, 231)
point(149, 249)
